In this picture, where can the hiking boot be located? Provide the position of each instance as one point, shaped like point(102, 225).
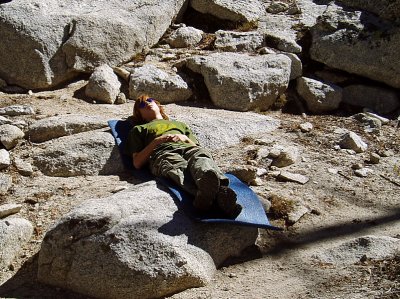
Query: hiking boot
point(226, 199)
point(208, 186)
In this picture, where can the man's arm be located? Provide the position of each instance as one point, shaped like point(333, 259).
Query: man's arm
point(142, 157)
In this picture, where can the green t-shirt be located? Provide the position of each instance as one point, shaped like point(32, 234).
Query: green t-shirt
point(141, 135)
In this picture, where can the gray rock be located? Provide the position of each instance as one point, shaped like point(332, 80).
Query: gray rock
point(359, 43)
point(374, 158)
point(282, 41)
point(245, 173)
point(121, 99)
point(23, 167)
point(5, 121)
point(5, 160)
point(284, 156)
point(14, 233)
point(9, 209)
point(298, 210)
point(185, 37)
point(320, 97)
point(351, 140)
point(139, 245)
point(386, 9)
point(88, 153)
point(293, 177)
point(236, 11)
point(17, 110)
point(63, 125)
point(363, 172)
point(242, 82)
point(368, 121)
point(277, 7)
point(296, 66)
point(9, 136)
point(5, 183)
point(103, 85)
point(165, 87)
point(382, 119)
point(234, 41)
point(56, 39)
point(378, 99)
point(306, 127)
point(350, 252)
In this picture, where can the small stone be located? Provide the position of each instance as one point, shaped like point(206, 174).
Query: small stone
point(261, 171)
point(5, 160)
point(374, 158)
point(363, 172)
point(293, 177)
point(64, 97)
point(357, 166)
point(23, 167)
point(286, 157)
point(354, 142)
point(277, 7)
point(121, 99)
point(306, 127)
point(257, 182)
point(9, 209)
point(266, 50)
point(350, 151)
point(119, 189)
point(333, 170)
point(274, 173)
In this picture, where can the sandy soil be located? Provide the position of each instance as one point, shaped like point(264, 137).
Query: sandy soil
point(281, 264)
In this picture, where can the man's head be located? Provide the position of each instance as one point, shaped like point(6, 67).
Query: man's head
point(147, 109)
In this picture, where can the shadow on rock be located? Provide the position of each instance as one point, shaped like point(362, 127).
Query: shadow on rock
point(24, 284)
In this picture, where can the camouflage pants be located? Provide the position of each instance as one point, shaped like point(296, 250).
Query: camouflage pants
point(185, 166)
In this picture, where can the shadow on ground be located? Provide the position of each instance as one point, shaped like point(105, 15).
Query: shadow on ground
point(25, 285)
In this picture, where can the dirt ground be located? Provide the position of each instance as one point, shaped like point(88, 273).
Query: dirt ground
point(281, 265)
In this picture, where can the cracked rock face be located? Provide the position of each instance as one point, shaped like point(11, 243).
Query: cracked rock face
point(55, 40)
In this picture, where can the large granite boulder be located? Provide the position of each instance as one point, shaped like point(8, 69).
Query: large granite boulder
point(242, 82)
point(359, 43)
point(167, 87)
point(44, 43)
point(88, 153)
point(135, 244)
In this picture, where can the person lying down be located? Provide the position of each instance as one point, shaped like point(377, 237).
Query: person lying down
point(171, 150)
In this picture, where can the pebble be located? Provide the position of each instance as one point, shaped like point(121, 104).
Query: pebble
point(9, 209)
point(357, 166)
point(363, 172)
point(374, 158)
point(333, 170)
point(293, 177)
point(306, 127)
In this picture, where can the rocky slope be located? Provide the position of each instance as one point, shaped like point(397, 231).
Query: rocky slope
point(68, 208)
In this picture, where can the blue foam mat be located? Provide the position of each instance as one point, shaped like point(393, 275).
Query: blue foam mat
point(252, 213)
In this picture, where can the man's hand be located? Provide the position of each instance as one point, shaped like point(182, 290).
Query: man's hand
point(141, 158)
point(174, 138)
